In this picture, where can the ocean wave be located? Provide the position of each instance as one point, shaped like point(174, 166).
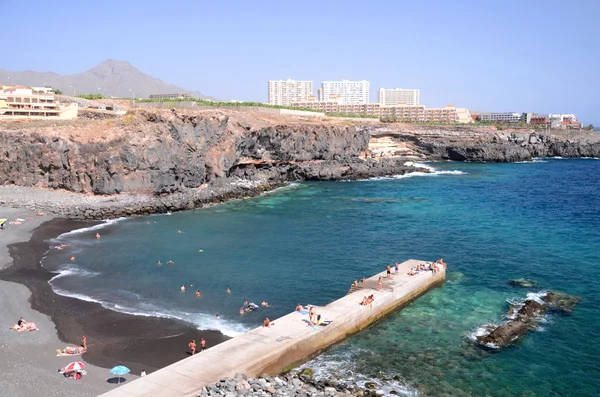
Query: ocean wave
point(72, 271)
point(342, 367)
point(202, 321)
point(102, 225)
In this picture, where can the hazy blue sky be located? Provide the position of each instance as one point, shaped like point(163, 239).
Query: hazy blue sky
point(525, 55)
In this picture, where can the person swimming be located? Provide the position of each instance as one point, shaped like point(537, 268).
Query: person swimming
point(182, 288)
point(228, 291)
point(197, 293)
point(170, 262)
point(241, 312)
point(97, 236)
point(217, 317)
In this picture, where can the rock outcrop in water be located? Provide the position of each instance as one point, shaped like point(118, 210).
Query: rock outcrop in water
point(523, 282)
point(524, 317)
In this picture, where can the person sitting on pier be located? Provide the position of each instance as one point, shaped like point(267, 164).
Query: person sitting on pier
point(362, 280)
point(441, 262)
point(412, 271)
point(299, 307)
point(267, 323)
point(355, 283)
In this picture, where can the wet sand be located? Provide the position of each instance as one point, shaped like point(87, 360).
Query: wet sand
point(114, 338)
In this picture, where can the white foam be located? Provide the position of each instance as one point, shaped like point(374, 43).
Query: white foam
point(72, 271)
point(202, 321)
point(105, 223)
point(343, 366)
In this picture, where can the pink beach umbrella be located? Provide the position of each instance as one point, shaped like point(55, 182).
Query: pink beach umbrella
point(74, 366)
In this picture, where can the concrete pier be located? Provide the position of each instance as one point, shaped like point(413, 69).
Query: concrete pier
point(288, 342)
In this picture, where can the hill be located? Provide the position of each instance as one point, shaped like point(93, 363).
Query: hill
point(110, 78)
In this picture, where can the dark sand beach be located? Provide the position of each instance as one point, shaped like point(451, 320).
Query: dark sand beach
point(114, 338)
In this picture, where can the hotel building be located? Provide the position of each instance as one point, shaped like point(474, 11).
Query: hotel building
point(405, 113)
point(398, 96)
point(18, 102)
point(284, 92)
point(345, 92)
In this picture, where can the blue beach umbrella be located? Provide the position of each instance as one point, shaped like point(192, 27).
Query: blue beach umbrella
point(120, 370)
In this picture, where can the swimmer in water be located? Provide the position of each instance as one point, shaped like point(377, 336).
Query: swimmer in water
point(182, 288)
point(241, 312)
point(217, 317)
point(179, 231)
point(245, 303)
point(158, 262)
point(97, 236)
point(228, 291)
point(72, 258)
point(170, 262)
point(197, 293)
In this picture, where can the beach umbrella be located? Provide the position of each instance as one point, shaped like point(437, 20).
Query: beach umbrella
point(74, 366)
point(120, 370)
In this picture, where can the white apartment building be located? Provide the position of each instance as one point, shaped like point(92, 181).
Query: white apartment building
point(397, 96)
point(284, 92)
point(345, 92)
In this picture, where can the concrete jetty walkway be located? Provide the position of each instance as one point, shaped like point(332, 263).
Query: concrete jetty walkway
point(289, 341)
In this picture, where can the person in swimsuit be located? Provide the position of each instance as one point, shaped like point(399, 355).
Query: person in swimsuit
point(380, 284)
point(21, 323)
point(202, 344)
point(217, 317)
point(389, 271)
point(192, 346)
point(396, 268)
point(267, 323)
point(299, 307)
point(97, 236)
point(241, 312)
point(198, 293)
point(182, 288)
point(84, 342)
point(228, 291)
point(72, 258)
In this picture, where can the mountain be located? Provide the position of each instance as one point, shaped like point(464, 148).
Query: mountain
point(110, 78)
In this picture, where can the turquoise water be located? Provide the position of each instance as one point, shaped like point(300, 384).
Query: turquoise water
point(306, 243)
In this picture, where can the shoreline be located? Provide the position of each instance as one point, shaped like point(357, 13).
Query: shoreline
point(114, 338)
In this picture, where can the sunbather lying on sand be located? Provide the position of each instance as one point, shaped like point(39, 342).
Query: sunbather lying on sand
point(70, 350)
point(23, 325)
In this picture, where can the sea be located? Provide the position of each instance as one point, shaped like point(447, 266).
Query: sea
point(307, 242)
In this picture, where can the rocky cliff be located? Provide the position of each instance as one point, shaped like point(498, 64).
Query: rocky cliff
point(164, 153)
point(168, 152)
point(485, 144)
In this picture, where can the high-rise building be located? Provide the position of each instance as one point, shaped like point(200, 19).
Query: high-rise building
point(397, 96)
point(284, 92)
point(345, 92)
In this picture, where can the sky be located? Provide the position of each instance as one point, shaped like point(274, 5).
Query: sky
point(527, 55)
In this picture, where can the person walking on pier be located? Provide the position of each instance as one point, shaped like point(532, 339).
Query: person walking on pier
point(380, 284)
point(396, 268)
point(192, 346)
point(389, 271)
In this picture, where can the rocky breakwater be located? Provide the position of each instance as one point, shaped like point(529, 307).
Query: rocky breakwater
point(468, 143)
point(160, 161)
point(523, 317)
point(295, 383)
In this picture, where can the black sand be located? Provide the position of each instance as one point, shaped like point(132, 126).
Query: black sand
point(113, 338)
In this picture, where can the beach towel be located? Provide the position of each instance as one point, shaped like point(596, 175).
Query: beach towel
point(302, 311)
point(27, 327)
point(70, 351)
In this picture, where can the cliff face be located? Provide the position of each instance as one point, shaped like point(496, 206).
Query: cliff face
point(168, 152)
point(483, 144)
